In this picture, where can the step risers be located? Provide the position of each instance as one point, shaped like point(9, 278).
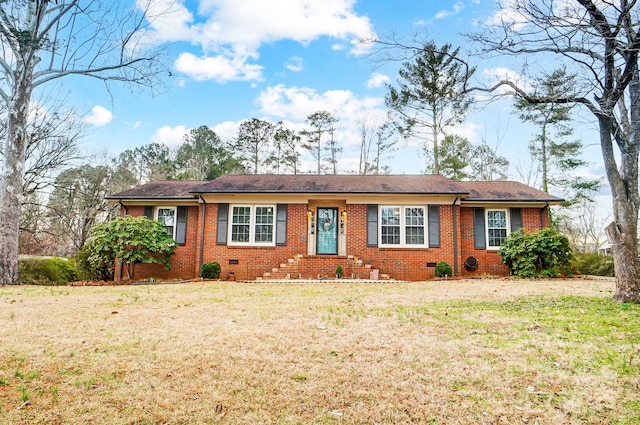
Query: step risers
point(354, 267)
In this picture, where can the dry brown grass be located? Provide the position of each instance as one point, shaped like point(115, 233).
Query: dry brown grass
point(454, 352)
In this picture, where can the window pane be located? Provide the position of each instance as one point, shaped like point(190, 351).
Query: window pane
point(240, 220)
point(414, 235)
point(497, 219)
point(264, 224)
point(414, 226)
point(390, 225)
point(496, 227)
point(497, 237)
point(167, 216)
point(391, 235)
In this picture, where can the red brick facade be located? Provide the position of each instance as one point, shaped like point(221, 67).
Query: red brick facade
point(248, 263)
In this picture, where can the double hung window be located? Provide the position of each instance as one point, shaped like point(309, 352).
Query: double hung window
point(496, 228)
point(167, 216)
point(252, 225)
point(402, 226)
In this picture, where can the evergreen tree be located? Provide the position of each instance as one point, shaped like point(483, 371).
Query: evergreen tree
point(431, 97)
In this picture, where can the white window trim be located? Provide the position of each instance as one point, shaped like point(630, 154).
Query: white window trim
point(486, 225)
point(403, 227)
point(175, 217)
point(252, 225)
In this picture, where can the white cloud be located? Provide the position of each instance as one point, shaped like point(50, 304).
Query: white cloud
point(295, 64)
point(219, 68)
point(230, 33)
point(296, 103)
point(170, 136)
point(377, 80)
point(470, 131)
point(457, 8)
point(227, 130)
point(99, 116)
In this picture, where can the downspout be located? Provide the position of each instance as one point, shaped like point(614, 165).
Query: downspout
point(123, 206)
point(542, 214)
point(455, 238)
point(120, 268)
point(204, 212)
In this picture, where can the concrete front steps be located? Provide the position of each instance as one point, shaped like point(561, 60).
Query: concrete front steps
point(323, 267)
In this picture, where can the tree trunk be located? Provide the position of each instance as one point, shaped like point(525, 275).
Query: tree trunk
point(623, 231)
point(624, 244)
point(11, 180)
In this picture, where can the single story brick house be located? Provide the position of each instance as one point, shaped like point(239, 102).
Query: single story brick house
point(304, 226)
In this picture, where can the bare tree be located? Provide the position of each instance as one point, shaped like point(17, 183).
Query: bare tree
point(486, 164)
point(385, 143)
point(53, 133)
point(43, 41)
point(366, 129)
point(599, 42)
point(585, 226)
point(77, 203)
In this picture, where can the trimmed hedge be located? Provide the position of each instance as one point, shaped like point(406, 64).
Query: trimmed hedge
point(47, 271)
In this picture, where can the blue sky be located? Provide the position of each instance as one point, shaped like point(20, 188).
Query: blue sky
point(281, 60)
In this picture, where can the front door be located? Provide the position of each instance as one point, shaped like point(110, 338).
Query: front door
point(327, 231)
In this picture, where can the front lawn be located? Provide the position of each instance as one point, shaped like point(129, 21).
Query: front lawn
point(441, 352)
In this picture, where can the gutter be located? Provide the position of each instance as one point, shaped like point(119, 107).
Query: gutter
point(455, 238)
point(204, 211)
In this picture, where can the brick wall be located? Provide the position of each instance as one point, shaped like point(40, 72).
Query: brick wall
point(488, 260)
point(399, 263)
point(253, 261)
point(184, 260)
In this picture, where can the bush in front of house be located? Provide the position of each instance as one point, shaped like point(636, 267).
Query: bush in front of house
point(131, 240)
point(443, 269)
point(210, 270)
point(89, 271)
point(593, 264)
point(543, 253)
point(47, 271)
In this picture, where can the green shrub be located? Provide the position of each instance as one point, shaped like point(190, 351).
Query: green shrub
point(593, 264)
point(543, 253)
point(47, 271)
point(210, 270)
point(339, 272)
point(88, 271)
point(443, 269)
point(132, 240)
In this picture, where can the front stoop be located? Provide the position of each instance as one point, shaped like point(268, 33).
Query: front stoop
point(316, 268)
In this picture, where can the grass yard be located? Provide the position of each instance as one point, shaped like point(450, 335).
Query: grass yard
point(446, 352)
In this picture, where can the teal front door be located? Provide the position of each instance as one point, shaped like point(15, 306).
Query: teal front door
point(327, 231)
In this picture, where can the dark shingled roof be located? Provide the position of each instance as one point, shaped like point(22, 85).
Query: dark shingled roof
point(408, 184)
point(161, 189)
point(427, 184)
point(505, 191)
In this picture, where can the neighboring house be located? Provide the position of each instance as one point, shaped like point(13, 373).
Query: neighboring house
point(304, 226)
